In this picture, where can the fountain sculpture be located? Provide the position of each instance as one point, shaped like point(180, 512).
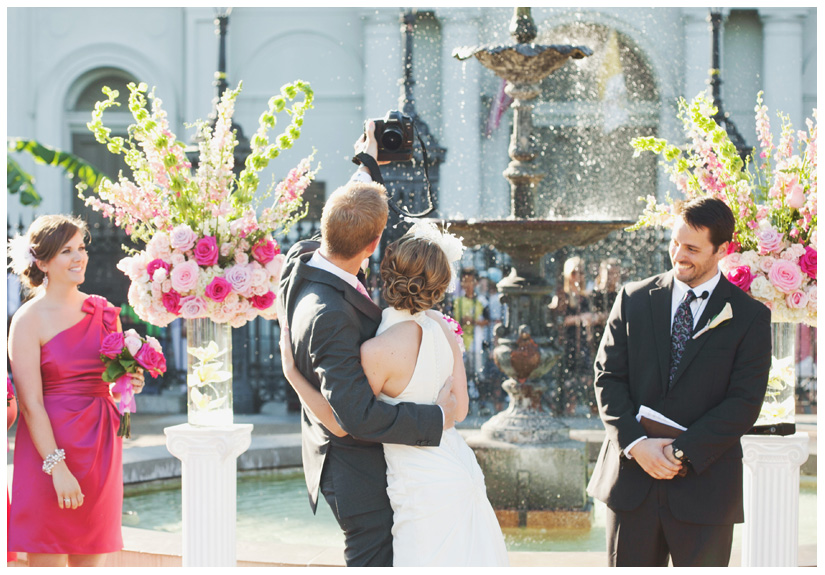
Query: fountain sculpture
point(530, 463)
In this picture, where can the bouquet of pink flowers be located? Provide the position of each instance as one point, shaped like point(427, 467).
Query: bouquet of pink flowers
point(209, 251)
point(123, 353)
point(773, 197)
point(457, 331)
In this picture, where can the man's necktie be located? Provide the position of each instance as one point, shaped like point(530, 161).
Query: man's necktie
point(362, 290)
point(680, 334)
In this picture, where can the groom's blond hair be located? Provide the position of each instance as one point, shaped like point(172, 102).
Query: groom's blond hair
point(353, 216)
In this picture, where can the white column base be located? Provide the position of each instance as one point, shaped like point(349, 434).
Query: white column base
point(208, 458)
point(770, 535)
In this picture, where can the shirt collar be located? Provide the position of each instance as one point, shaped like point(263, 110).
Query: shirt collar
point(320, 262)
point(680, 288)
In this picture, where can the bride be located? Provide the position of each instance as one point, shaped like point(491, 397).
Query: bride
point(441, 514)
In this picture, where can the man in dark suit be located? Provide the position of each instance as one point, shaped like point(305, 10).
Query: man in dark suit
point(330, 315)
point(713, 384)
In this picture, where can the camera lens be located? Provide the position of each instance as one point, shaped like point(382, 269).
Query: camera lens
point(391, 139)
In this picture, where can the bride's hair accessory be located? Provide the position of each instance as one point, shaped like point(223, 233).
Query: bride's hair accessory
point(449, 243)
point(21, 253)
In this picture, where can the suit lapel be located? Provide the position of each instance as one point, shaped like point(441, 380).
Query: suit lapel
point(660, 306)
point(716, 302)
point(351, 295)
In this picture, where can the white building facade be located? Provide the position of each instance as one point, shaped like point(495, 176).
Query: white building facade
point(59, 57)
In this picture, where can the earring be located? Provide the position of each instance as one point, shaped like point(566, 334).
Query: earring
point(45, 280)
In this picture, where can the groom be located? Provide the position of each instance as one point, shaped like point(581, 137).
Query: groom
point(656, 352)
point(330, 316)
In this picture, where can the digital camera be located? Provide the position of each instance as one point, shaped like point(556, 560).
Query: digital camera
point(395, 134)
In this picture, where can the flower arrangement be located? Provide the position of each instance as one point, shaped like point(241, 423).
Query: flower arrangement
point(123, 353)
point(208, 251)
point(772, 195)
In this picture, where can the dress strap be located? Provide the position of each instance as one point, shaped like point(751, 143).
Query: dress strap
point(95, 304)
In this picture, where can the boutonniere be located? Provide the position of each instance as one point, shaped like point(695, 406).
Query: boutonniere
point(721, 317)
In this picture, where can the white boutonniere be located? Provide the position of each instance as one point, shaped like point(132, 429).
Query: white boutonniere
point(721, 317)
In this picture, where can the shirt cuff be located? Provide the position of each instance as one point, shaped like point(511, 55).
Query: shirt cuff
point(443, 417)
point(361, 176)
point(626, 451)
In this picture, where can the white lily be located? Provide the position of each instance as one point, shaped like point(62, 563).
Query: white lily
point(202, 401)
point(207, 353)
point(206, 373)
point(721, 317)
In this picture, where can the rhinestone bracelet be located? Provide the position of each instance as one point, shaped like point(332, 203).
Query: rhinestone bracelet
point(53, 459)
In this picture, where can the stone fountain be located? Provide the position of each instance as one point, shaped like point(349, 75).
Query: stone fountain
point(535, 474)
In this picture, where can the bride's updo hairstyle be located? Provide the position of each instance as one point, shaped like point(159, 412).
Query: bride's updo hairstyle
point(46, 237)
point(416, 274)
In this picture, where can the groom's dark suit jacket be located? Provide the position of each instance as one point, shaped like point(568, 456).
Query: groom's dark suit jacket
point(328, 321)
point(717, 394)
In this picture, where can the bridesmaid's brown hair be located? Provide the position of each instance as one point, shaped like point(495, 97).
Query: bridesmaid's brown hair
point(47, 235)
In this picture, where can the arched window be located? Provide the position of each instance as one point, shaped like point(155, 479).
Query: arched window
point(102, 277)
point(589, 111)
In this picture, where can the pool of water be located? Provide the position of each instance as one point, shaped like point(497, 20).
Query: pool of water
point(273, 508)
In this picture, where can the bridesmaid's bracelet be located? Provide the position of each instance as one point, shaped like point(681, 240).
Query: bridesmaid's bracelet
point(53, 459)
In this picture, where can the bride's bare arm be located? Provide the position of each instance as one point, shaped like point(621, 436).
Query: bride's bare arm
point(459, 387)
point(309, 396)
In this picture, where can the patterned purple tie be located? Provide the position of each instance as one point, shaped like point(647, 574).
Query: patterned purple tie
point(682, 328)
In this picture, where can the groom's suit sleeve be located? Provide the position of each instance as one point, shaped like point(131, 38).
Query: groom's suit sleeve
point(336, 358)
point(612, 378)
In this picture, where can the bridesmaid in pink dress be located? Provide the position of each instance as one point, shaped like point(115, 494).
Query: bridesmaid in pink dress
point(67, 490)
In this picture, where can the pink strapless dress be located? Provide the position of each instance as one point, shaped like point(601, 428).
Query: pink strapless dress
point(85, 420)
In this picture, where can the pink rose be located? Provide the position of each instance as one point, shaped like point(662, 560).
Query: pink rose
point(796, 299)
point(218, 289)
point(184, 276)
point(808, 262)
point(154, 343)
point(132, 341)
point(183, 238)
point(265, 250)
point(192, 307)
point(733, 247)
point(171, 301)
point(262, 301)
point(274, 267)
point(765, 264)
point(240, 276)
point(206, 251)
point(151, 360)
point(155, 265)
point(796, 196)
point(112, 345)
point(785, 276)
point(769, 240)
point(741, 277)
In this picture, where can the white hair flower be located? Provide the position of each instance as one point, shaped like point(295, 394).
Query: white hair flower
point(21, 254)
point(449, 243)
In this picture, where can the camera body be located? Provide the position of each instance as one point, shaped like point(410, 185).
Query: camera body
point(395, 134)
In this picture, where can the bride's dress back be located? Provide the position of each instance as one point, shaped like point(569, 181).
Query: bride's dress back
point(435, 358)
point(441, 515)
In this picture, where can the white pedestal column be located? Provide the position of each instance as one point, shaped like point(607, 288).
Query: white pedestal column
point(770, 537)
point(208, 458)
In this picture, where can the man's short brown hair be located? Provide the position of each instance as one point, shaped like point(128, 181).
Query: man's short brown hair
point(354, 215)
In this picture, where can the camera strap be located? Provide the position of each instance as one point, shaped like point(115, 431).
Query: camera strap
point(375, 173)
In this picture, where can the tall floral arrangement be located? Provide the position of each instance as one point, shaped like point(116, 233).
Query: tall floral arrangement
point(772, 195)
point(210, 249)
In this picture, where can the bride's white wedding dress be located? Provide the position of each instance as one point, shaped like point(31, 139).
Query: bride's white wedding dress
point(441, 514)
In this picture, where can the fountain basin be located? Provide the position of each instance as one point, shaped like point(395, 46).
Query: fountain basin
point(523, 63)
point(532, 238)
